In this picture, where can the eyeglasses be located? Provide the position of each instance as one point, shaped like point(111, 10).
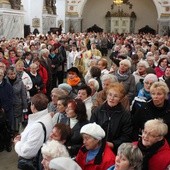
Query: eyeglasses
point(147, 83)
point(113, 95)
point(149, 134)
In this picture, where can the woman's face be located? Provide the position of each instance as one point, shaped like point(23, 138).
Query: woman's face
point(55, 134)
point(141, 69)
point(12, 75)
point(72, 75)
point(167, 72)
point(34, 69)
point(113, 97)
point(54, 98)
point(91, 85)
point(89, 142)
point(123, 68)
point(45, 162)
point(60, 107)
point(70, 111)
point(147, 85)
point(158, 97)
point(164, 63)
point(1, 74)
point(19, 67)
point(150, 137)
point(121, 162)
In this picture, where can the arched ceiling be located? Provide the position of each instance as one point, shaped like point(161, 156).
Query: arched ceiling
point(77, 6)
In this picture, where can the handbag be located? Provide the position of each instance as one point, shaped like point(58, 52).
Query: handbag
point(34, 163)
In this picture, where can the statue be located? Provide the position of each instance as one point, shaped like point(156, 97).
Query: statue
point(48, 4)
point(54, 7)
point(15, 4)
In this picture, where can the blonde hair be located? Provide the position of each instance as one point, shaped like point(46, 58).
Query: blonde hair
point(19, 62)
point(160, 85)
point(54, 149)
point(158, 126)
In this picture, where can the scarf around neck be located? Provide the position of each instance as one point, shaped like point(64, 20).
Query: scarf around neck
point(124, 76)
point(149, 152)
point(73, 82)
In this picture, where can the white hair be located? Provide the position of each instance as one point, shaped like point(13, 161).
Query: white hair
point(54, 149)
point(126, 61)
point(96, 84)
point(143, 63)
point(43, 51)
point(110, 77)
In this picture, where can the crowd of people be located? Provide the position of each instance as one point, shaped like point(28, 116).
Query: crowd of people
point(86, 101)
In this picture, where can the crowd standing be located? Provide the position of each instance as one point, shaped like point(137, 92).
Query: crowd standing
point(86, 101)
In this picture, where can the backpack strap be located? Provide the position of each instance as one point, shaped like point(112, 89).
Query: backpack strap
point(45, 131)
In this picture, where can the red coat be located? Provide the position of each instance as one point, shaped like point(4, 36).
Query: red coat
point(159, 72)
point(44, 75)
point(101, 162)
point(161, 159)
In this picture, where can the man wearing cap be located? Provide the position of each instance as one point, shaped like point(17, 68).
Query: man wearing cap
point(95, 153)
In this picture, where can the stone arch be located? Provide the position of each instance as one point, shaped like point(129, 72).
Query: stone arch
point(156, 2)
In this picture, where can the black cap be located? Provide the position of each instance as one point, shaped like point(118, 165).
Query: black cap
point(74, 69)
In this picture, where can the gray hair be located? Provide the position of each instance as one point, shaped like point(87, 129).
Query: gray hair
point(143, 63)
point(54, 149)
point(59, 92)
point(96, 84)
point(43, 51)
point(133, 154)
point(109, 77)
point(125, 61)
point(158, 126)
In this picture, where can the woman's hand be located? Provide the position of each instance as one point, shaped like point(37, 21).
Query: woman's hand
point(111, 145)
point(17, 139)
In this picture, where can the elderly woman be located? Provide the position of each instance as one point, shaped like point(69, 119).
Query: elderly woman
point(55, 94)
point(129, 157)
point(94, 85)
point(144, 93)
point(50, 150)
point(19, 97)
point(124, 75)
point(154, 146)
point(157, 107)
point(113, 118)
point(76, 112)
point(60, 116)
point(31, 139)
point(95, 153)
point(36, 80)
point(140, 73)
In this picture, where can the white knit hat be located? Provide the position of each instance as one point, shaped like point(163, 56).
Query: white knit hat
point(93, 130)
point(63, 163)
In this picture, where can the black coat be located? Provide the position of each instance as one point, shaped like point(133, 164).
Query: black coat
point(76, 140)
point(115, 121)
point(147, 111)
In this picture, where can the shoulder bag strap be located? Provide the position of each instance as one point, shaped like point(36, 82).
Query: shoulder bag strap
point(45, 132)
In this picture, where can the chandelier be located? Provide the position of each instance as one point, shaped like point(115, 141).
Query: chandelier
point(118, 2)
